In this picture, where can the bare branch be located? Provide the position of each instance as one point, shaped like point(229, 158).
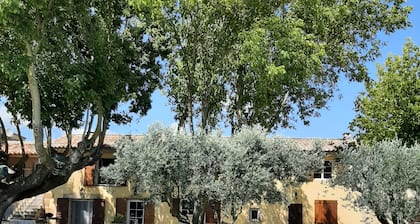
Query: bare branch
point(88, 124)
point(22, 145)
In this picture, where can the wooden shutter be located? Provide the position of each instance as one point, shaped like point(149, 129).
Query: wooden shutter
point(295, 214)
point(325, 212)
point(149, 213)
point(121, 206)
point(89, 175)
point(62, 210)
point(175, 206)
point(98, 211)
point(212, 212)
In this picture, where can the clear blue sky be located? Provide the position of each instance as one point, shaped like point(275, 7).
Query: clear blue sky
point(333, 121)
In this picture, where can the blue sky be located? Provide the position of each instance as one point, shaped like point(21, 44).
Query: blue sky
point(333, 121)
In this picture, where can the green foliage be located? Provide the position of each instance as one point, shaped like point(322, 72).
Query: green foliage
point(267, 62)
point(71, 63)
point(87, 56)
point(118, 218)
point(386, 176)
point(208, 167)
point(390, 107)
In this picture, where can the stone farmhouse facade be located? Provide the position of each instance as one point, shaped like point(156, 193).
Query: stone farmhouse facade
point(87, 198)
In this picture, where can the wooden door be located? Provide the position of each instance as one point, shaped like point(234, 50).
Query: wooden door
point(295, 214)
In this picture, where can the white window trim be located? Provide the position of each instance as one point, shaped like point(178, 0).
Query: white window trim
point(258, 219)
point(97, 178)
point(322, 172)
point(128, 209)
point(181, 207)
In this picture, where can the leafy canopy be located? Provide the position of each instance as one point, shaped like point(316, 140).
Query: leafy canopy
point(390, 107)
point(270, 63)
point(68, 64)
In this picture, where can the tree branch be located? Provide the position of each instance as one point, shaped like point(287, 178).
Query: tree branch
point(36, 109)
point(4, 137)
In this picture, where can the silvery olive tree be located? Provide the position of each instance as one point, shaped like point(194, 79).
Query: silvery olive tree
point(207, 168)
point(386, 174)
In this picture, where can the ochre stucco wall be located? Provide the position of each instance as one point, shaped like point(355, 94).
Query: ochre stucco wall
point(306, 194)
point(270, 213)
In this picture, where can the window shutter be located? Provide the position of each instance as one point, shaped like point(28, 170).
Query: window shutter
point(62, 210)
point(121, 206)
point(149, 213)
point(325, 211)
point(212, 213)
point(89, 175)
point(176, 206)
point(98, 211)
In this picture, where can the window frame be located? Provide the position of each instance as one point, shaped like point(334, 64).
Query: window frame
point(128, 215)
point(100, 181)
point(94, 174)
point(75, 213)
point(189, 210)
point(323, 174)
point(250, 215)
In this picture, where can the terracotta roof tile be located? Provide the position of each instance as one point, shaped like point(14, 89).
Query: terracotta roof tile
point(15, 149)
point(109, 140)
point(328, 145)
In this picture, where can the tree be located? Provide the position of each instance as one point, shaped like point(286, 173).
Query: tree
point(208, 168)
point(270, 63)
point(68, 65)
point(391, 105)
point(386, 176)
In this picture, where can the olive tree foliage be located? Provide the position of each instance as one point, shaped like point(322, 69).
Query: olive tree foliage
point(270, 63)
point(390, 107)
point(386, 176)
point(208, 168)
point(67, 64)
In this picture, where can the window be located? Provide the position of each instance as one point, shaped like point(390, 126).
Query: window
point(87, 211)
point(187, 207)
point(93, 175)
point(325, 172)
point(103, 163)
point(135, 212)
point(81, 211)
point(254, 215)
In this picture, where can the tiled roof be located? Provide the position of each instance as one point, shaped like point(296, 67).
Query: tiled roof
point(109, 140)
point(15, 149)
point(328, 145)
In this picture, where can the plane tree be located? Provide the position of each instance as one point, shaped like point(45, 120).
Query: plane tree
point(209, 170)
point(67, 65)
point(270, 63)
point(390, 106)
